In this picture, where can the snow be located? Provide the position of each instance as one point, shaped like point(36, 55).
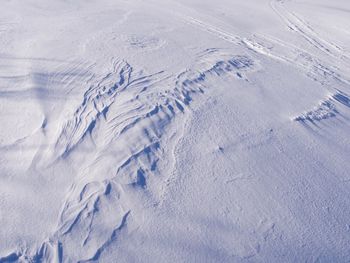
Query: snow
point(184, 131)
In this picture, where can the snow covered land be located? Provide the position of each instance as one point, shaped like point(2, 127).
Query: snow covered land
point(174, 131)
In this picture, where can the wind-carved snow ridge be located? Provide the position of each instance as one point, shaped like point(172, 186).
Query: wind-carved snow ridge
point(131, 121)
point(95, 103)
point(216, 62)
point(129, 117)
point(326, 109)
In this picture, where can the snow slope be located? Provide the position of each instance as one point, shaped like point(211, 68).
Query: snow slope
point(184, 131)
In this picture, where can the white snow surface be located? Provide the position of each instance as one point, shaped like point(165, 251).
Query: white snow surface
point(174, 131)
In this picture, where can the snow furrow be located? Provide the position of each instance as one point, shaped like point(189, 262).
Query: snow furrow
point(296, 24)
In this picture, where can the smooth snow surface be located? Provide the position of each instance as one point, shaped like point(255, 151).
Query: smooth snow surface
point(174, 131)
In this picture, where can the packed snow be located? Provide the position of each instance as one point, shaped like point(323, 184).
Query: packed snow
point(174, 131)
